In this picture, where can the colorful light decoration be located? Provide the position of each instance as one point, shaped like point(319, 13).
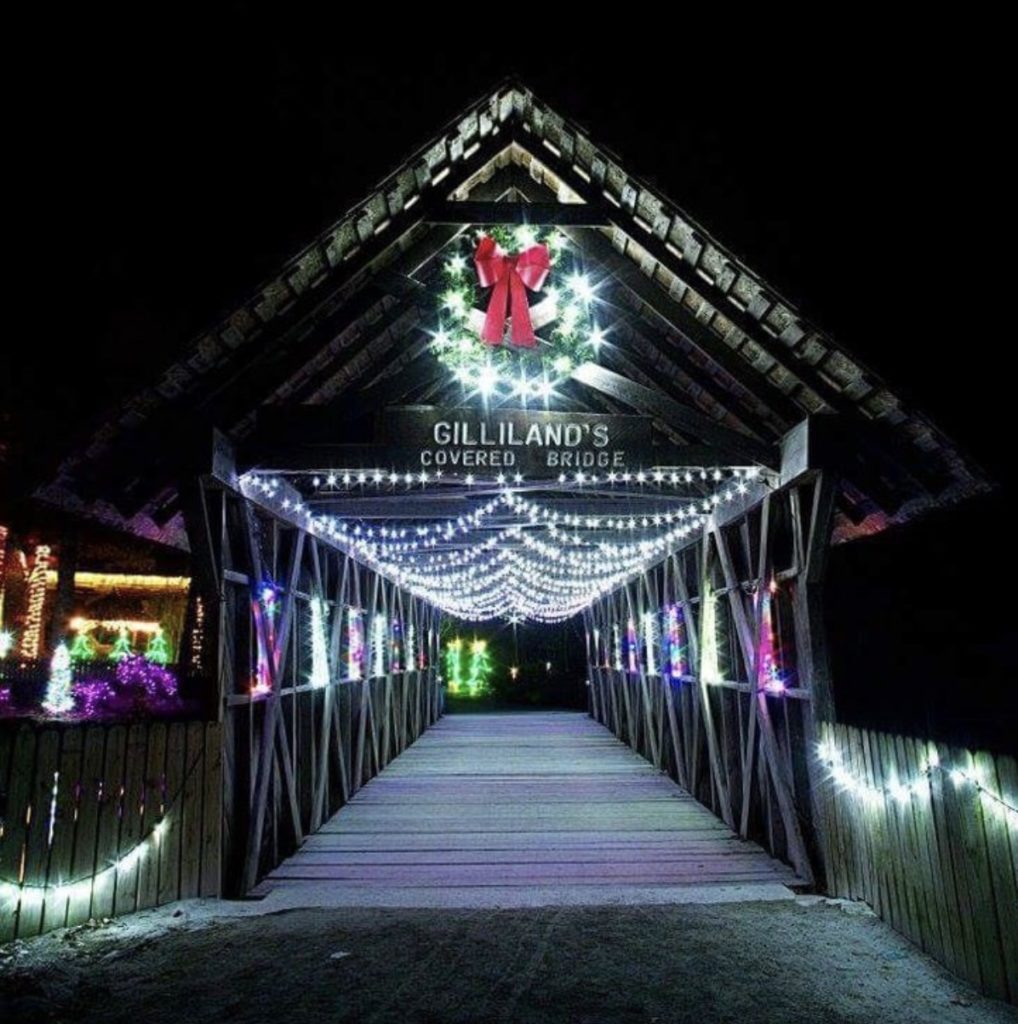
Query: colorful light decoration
point(158, 650)
point(413, 660)
point(632, 648)
point(454, 664)
point(396, 647)
point(110, 582)
point(154, 682)
point(769, 676)
point(478, 668)
point(903, 791)
point(6, 642)
point(82, 648)
point(122, 648)
point(92, 697)
point(563, 313)
point(80, 624)
point(265, 608)
point(139, 684)
point(378, 644)
point(319, 613)
point(31, 636)
point(198, 634)
point(650, 641)
point(710, 666)
point(355, 644)
point(616, 647)
point(59, 697)
point(675, 641)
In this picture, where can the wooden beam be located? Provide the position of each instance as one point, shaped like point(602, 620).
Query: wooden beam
point(739, 447)
point(590, 215)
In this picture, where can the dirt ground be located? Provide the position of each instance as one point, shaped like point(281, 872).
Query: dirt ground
point(803, 960)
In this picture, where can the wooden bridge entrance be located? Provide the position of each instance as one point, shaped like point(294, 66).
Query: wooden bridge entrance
point(523, 809)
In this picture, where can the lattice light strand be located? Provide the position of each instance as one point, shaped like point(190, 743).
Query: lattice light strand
point(533, 568)
point(902, 792)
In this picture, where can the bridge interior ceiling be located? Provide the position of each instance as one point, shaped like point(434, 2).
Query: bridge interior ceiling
point(460, 521)
point(508, 547)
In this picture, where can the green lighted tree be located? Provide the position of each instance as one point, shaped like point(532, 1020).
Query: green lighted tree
point(479, 668)
point(122, 648)
point(158, 650)
point(83, 648)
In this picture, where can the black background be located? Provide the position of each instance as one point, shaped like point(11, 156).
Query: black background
point(167, 166)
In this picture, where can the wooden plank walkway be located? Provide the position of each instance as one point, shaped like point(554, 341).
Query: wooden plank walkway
point(523, 809)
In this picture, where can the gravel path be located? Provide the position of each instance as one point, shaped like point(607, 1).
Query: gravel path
point(806, 960)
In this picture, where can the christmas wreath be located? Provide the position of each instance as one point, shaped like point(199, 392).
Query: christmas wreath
point(538, 323)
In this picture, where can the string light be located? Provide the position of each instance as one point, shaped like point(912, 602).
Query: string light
point(28, 895)
point(80, 624)
point(901, 791)
point(543, 564)
point(198, 634)
point(31, 637)
point(107, 582)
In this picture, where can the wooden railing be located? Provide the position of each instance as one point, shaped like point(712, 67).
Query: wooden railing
point(926, 834)
point(102, 819)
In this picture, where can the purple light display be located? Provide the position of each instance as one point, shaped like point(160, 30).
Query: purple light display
point(674, 637)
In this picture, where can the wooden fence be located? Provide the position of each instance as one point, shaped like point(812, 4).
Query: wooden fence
point(101, 819)
point(917, 830)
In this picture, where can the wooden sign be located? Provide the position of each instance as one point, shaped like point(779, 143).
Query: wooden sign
point(533, 443)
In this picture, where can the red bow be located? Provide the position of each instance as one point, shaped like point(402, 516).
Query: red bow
point(511, 276)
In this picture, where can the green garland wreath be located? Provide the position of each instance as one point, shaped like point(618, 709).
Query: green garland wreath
point(567, 333)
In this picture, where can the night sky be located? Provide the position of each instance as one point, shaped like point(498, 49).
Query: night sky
point(183, 162)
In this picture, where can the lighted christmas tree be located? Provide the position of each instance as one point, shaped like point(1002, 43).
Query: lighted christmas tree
point(58, 692)
point(122, 648)
point(769, 676)
point(158, 650)
point(710, 662)
point(83, 648)
point(632, 647)
point(650, 641)
point(319, 643)
point(355, 650)
point(454, 664)
point(479, 668)
point(674, 641)
point(379, 630)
